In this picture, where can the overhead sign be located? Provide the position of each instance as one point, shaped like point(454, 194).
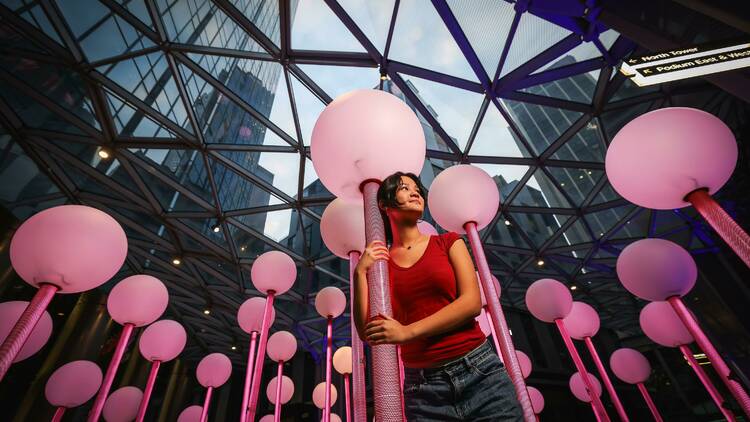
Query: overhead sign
point(685, 63)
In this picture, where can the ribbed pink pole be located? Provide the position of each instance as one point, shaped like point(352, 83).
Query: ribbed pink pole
point(498, 323)
point(206, 403)
point(710, 387)
point(57, 417)
point(401, 377)
point(386, 392)
point(713, 355)
point(596, 414)
point(260, 356)
point(24, 326)
point(596, 401)
point(605, 379)
point(277, 405)
point(248, 375)
point(649, 402)
point(359, 399)
point(348, 399)
point(722, 223)
point(329, 357)
point(147, 391)
point(109, 376)
point(492, 331)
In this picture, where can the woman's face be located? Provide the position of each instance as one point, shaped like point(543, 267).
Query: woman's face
point(409, 198)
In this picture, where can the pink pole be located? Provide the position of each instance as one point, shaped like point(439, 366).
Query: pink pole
point(258, 369)
point(500, 326)
point(348, 398)
point(722, 223)
point(277, 406)
point(206, 403)
point(492, 331)
point(713, 355)
point(109, 376)
point(24, 326)
point(248, 375)
point(386, 392)
point(596, 402)
point(359, 399)
point(605, 378)
point(147, 391)
point(596, 414)
point(401, 376)
point(57, 417)
point(649, 402)
point(329, 352)
point(710, 387)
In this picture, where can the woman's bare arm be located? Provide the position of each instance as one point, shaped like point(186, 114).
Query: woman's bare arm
point(359, 302)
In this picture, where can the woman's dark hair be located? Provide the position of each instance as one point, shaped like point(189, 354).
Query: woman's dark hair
point(387, 196)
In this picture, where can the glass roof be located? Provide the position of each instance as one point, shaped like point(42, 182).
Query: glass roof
point(206, 111)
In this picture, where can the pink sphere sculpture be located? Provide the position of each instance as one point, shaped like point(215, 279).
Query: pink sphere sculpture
point(548, 300)
point(74, 247)
point(484, 324)
point(10, 312)
point(656, 269)
point(661, 324)
point(250, 314)
point(334, 418)
point(525, 362)
point(122, 405)
point(138, 300)
point(273, 271)
point(162, 340)
point(537, 399)
point(658, 158)
point(388, 135)
point(214, 370)
point(267, 418)
point(191, 414)
point(287, 389)
point(342, 360)
point(342, 227)
point(330, 302)
point(469, 186)
point(578, 388)
point(281, 346)
point(582, 321)
point(629, 365)
point(426, 228)
point(73, 384)
point(319, 395)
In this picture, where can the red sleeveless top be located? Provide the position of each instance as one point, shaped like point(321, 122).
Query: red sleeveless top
point(423, 289)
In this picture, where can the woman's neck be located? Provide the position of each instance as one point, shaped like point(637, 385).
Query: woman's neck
point(404, 233)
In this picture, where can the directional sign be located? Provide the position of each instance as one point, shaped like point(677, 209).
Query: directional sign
point(685, 63)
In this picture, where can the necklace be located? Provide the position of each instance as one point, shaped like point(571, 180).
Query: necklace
point(409, 247)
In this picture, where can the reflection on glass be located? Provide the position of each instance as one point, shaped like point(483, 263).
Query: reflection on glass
point(316, 27)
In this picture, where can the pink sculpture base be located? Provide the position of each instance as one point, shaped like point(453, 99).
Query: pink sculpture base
point(24, 326)
point(605, 378)
point(329, 357)
point(710, 387)
point(57, 417)
point(359, 399)
point(498, 323)
point(109, 376)
point(147, 391)
point(722, 223)
point(248, 375)
point(649, 402)
point(258, 369)
point(279, 384)
point(206, 403)
point(347, 397)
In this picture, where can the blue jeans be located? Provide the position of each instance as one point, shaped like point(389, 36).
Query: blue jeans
point(474, 387)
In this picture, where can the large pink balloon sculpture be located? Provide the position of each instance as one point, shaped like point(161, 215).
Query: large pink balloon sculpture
point(330, 302)
point(279, 393)
point(212, 372)
point(10, 312)
point(537, 400)
point(122, 404)
point(662, 325)
point(134, 302)
point(464, 199)
point(659, 270)
point(579, 389)
point(672, 157)
point(250, 319)
point(630, 366)
point(342, 228)
point(161, 342)
point(389, 139)
point(66, 249)
point(583, 323)
point(272, 273)
point(319, 395)
point(550, 301)
point(191, 414)
point(281, 348)
point(72, 385)
point(342, 363)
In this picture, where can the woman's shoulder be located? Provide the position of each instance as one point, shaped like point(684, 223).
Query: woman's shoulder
point(446, 240)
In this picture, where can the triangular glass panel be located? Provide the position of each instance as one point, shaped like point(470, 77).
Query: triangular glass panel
point(630, 89)
point(513, 260)
point(247, 245)
point(495, 138)
point(312, 186)
point(607, 194)
point(602, 221)
point(577, 183)
point(680, 237)
point(575, 234)
point(540, 191)
point(613, 121)
point(130, 121)
point(264, 15)
point(189, 244)
point(205, 226)
point(237, 191)
point(12, 38)
point(507, 235)
point(38, 18)
point(316, 27)
point(101, 33)
point(308, 106)
point(584, 51)
point(295, 237)
point(506, 176)
point(608, 38)
point(373, 18)
point(635, 227)
point(667, 220)
point(85, 182)
point(33, 114)
point(533, 36)
point(538, 226)
point(586, 145)
point(138, 9)
point(145, 221)
point(280, 224)
point(540, 125)
point(577, 88)
point(28, 180)
point(567, 261)
point(419, 29)
point(337, 80)
point(280, 169)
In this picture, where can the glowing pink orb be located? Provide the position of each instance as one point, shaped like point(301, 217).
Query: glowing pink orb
point(73, 384)
point(462, 194)
point(661, 324)
point(138, 300)
point(191, 414)
point(330, 301)
point(319, 395)
point(342, 227)
point(250, 314)
point(273, 271)
point(10, 312)
point(287, 389)
point(122, 405)
point(281, 346)
point(629, 365)
point(342, 360)
point(162, 340)
point(548, 300)
point(578, 387)
point(537, 399)
point(656, 269)
point(582, 321)
point(214, 370)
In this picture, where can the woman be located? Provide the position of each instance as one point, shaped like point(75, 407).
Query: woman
point(451, 371)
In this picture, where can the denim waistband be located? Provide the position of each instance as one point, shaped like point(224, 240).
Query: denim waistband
point(476, 355)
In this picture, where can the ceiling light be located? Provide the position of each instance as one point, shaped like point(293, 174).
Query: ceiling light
point(580, 177)
point(176, 261)
point(507, 223)
point(103, 154)
point(216, 228)
point(206, 311)
point(60, 313)
point(242, 248)
point(383, 77)
point(573, 287)
point(234, 347)
point(562, 184)
point(540, 262)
